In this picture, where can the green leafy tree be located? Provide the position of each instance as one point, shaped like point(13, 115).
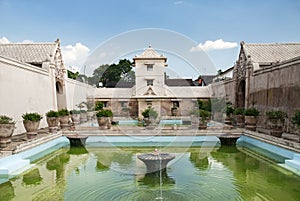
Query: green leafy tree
point(110, 75)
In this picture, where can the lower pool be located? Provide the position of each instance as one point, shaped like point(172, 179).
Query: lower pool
point(97, 172)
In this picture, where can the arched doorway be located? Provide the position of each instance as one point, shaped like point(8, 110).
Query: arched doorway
point(60, 95)
point(241, 94)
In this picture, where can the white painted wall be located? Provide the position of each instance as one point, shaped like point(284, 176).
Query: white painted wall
point(77, 92)
point(24, 88)
point(157, 75)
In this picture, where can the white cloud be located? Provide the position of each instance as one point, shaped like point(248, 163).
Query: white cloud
point(75, 56)
point(4, 40)
point(27, 41)
point(214, 45)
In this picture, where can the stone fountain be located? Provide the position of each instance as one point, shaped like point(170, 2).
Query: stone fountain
point(156, 160)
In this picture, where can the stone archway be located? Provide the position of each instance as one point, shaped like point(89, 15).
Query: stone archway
point(241, 94)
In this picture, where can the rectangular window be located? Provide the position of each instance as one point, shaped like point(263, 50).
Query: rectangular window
point(123, 103)
point(149, 82)
point(175, 103)
point(149, 67)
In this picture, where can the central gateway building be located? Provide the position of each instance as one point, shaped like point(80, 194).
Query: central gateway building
point(152, 89)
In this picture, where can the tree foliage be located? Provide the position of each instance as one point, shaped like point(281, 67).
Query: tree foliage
point(111, 74)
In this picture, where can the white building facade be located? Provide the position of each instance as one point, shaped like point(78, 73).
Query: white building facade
point(151, 90)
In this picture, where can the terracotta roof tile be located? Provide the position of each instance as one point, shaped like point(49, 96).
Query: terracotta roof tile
point(269, 53)
point(36, 53)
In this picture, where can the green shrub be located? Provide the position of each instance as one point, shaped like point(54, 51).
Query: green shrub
point(63, 112)
point(228, 110)
point(251, 112)
point(99, 106)
point(6, 120)
point(149, 112)
point(238, 111)
point(276, 114)
point(104, 113)
point(32, 117)
point(52, 113)
point(74, 112)
point(296, 118)
point(204, 114)
point(204, 105)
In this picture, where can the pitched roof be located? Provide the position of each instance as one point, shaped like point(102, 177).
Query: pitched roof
point(150, 53)
point(179, 82)
point(273, 52)
point(33, 53)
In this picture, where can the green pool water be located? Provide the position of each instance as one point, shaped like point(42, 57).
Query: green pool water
point(112, 173)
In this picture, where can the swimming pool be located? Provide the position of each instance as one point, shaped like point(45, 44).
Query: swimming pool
point(108, 169)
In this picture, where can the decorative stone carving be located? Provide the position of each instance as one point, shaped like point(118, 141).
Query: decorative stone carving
point(59, 66)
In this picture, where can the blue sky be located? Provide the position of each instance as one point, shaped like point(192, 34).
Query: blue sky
point(83, 25)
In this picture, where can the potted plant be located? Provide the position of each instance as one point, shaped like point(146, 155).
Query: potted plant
point(174, 111)
point(52, 121)
point(296, 121)
point(75, 116)
point(203, 119)
point(90, 110)
point(228, 111)
point(239, 117)
point(63, 117)
point(251, 118)
point(104, 117)
point(99, 106)
point(31, 123)
point(275, 122)
point(7, 126)
point(150, 116)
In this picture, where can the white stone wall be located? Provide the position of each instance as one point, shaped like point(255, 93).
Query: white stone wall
point(77, 92)
point(24, 88)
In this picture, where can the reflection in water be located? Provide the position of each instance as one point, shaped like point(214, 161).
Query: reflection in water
point(199, 160)
point(32, 178)
point(100, 167)
point(57, 164)
point(6, 191)
point(152, 179)
point(226, 173)
point(78, 150)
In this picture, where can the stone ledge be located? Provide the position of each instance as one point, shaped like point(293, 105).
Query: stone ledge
point(287, 144)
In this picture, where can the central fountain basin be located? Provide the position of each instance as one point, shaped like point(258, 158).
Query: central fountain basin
point(156, 161)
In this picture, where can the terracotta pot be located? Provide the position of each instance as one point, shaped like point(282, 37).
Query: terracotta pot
point(102, 121)
point(64, 121)
point(275, 126)
point(202, 124)
point(52, 124)
point(6, 131)
point(250, 122)
point(52, 121)
point(31, 128)
point(240, 120)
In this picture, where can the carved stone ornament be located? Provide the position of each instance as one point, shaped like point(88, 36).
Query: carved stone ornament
point(59, 66)
point(241, 67)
